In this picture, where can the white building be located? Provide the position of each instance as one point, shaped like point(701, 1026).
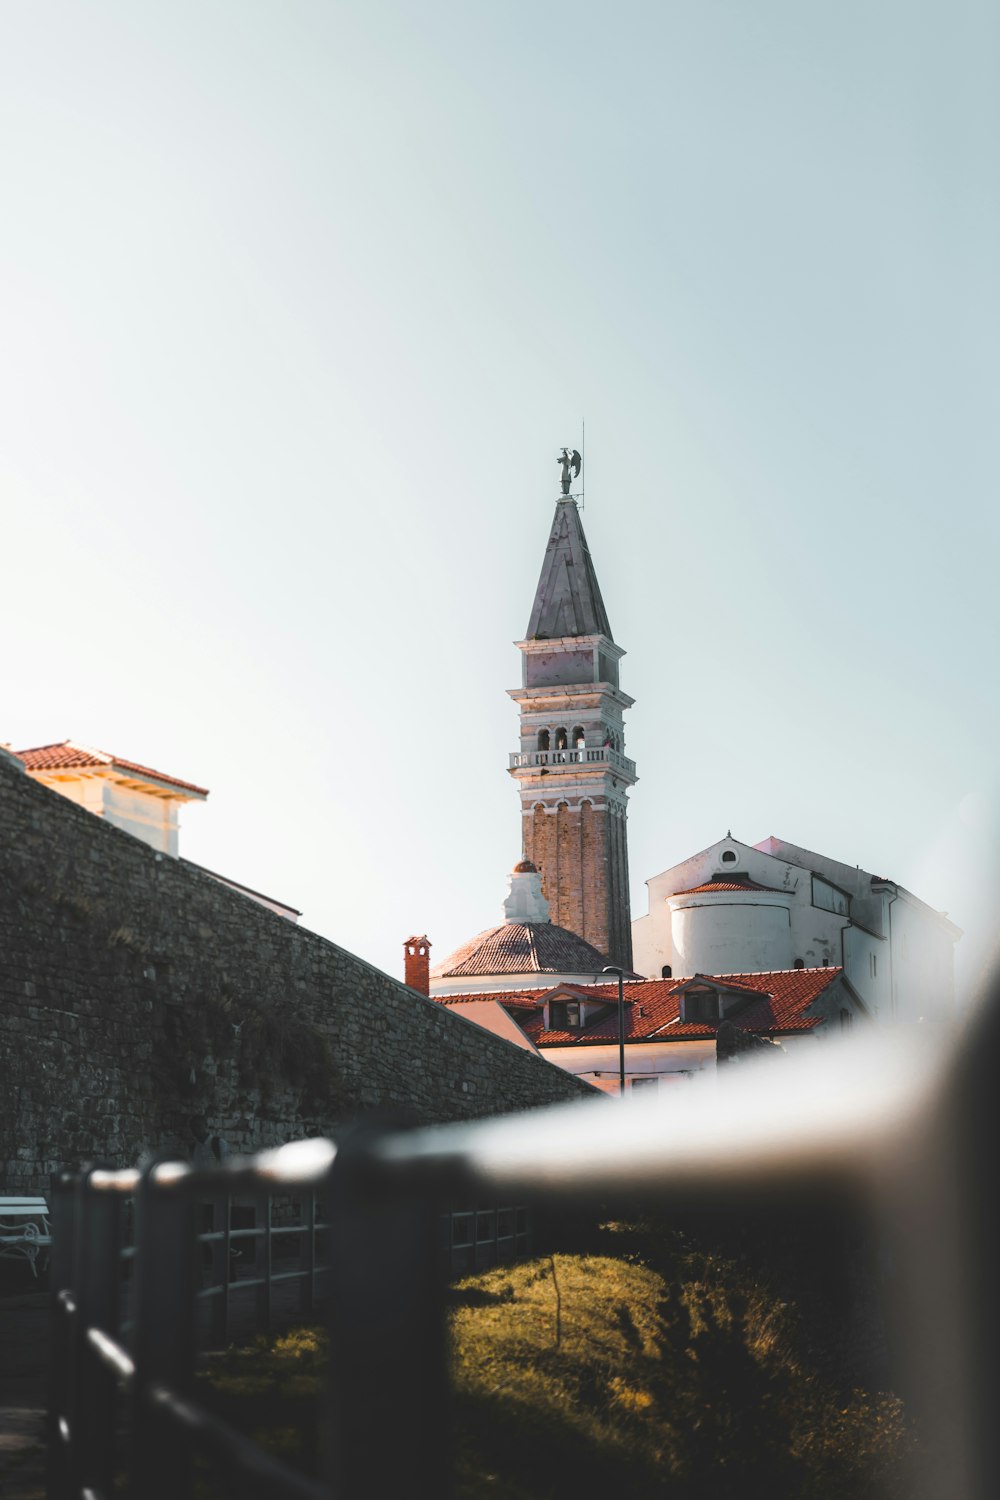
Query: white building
point(738, 908)
point(134, 798)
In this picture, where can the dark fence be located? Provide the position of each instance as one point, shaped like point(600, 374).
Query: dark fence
point(903, 1128)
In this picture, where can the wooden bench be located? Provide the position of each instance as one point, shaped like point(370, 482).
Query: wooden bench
point(24, 1229)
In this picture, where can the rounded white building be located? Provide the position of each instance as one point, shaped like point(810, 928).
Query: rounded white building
point(730, 927)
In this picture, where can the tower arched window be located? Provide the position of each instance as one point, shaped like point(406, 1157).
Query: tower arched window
point(561, 739)
point(543, 739)
point(579, 738)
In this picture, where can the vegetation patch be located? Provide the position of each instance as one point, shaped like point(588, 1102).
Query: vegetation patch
point(272, 1047)
point(577, 1375)
point(593, 1372)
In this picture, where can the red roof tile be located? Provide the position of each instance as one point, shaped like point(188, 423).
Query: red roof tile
point(728, 885)
point(68, 756)
point(785, 998)
point(521, 948)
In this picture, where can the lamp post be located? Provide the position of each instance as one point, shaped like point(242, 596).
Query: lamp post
point(614, 969)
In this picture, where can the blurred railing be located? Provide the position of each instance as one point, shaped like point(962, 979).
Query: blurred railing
point(901, 1127)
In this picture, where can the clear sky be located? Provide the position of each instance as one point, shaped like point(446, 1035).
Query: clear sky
point(299, 302)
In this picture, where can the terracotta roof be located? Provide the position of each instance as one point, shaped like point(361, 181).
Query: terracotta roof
point(785, 998)
point(68, 756)
point(728, 885)
point(522, 948)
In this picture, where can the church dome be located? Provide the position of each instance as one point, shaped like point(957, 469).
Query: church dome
point(524, 867)
point(521, 948)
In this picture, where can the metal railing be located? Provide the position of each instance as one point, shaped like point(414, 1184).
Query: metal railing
point(901, 1125)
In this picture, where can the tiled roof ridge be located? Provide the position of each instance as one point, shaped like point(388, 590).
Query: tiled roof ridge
point(40, 758)
point(708, 886)
point(66, 744)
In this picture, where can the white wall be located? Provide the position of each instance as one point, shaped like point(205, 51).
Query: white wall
point(150, 818)
point(146, 815)
point(672, 1062)
point(897, 952)
point(730, 933)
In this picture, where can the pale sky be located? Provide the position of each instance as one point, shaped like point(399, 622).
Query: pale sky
point(299, 303)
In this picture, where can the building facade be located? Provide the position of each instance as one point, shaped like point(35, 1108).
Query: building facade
point(675, 1029)
point(774, 905)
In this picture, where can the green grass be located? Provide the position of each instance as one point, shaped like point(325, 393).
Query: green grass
point(580, 1373)
point(659, 1370)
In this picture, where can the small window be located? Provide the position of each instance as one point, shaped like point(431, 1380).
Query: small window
point(543, 739)
point(874, 964)
point(799, 963)
point(700, 1005)
point(666, 972)
point(845, 1020)
point(564, 1015)
point(729, 856)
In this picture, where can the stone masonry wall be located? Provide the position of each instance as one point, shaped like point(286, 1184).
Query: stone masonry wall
point(136, 991)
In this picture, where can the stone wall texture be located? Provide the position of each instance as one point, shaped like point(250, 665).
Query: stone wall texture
point(136, 991)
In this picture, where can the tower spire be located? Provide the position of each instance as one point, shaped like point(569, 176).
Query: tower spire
point(571, 768)
point(568, 597)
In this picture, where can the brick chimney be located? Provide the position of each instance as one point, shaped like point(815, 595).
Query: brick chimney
point(417, 963)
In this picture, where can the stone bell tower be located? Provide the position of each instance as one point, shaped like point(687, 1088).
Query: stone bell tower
point(572, 771)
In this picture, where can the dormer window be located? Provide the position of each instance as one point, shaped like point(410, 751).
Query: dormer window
point(706, 1004)
point(700, 1003)
point(568, 1010)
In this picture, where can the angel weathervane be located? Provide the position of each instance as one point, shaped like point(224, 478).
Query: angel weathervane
point(572, 463)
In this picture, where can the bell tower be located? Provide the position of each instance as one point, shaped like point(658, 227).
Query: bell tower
point(572, 771)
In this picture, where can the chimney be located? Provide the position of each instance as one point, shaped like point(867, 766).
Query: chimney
point(417, 963)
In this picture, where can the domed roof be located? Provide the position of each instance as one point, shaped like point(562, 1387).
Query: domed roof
point(521, 948)
point(524, 867)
